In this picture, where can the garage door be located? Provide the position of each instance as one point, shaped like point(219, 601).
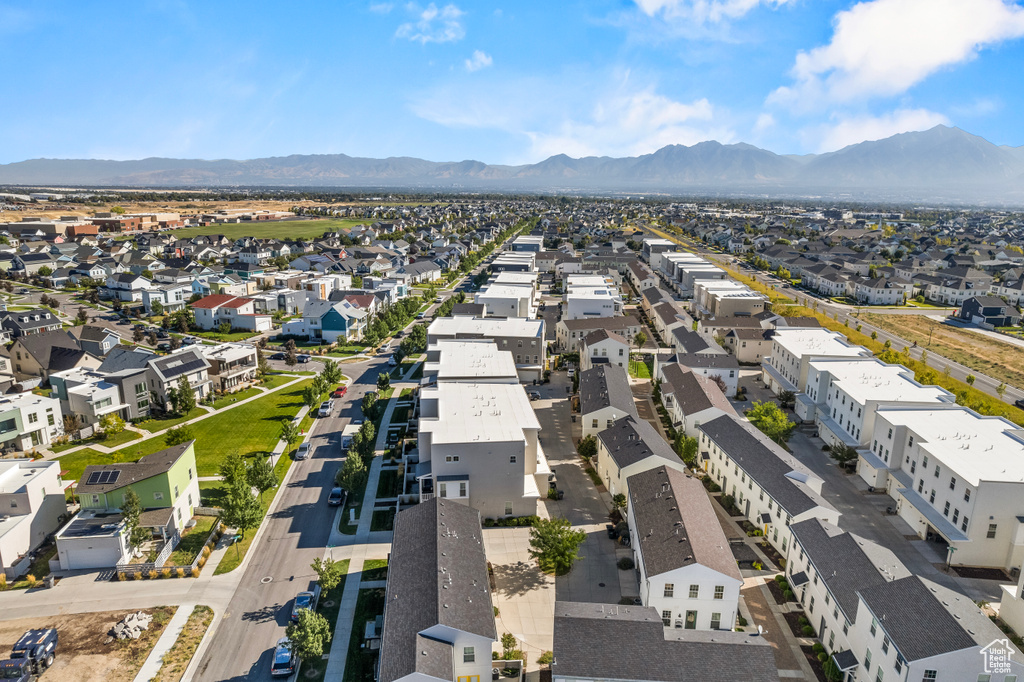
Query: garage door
point(98, 557)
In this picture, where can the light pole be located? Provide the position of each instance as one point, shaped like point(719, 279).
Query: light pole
point(949, 557)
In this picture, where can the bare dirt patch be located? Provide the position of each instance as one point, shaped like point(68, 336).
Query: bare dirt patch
point(82, 652)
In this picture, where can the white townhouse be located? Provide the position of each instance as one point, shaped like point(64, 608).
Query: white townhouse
point(630, 446)
point(691, 399)
point(28, 420)
point(605, 397)
point(687, 569)
point(604, 347)
point(522, 337)
point(590, 296)
point(792, 351)
point(957, 478)
point(508, 300)
point(841, 396)
point(468, 360)
point(479, 445)
point(771, 488)
point(32, 500)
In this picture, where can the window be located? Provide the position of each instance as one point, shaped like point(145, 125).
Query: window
point(827, 599)
point(867, 660)
point(670, 589)
point(924, 461)
point(920, 486)
point(49, 420)
point(945, 509)
point(874, 626)
point(190, 473)
point(462, 489)
point(885, 645)
point(175, 492)
point(956, 516)
point(937, 470)
point(593, 424)
point(442, 490)
point(33, 418)
point(952, 483)
point(963, 526)
point(890, 434)
point(719, 591)
point(931, 498)
point(508, 508)
point(913, 466)
point(991, 530)
point(666, 618)
point(190, 499)
point(984, 678)
point(716, 621)
point(878, 677)
point(810, 607)
point(694, 591)
point(910, 443)
point(930, 675)
point(967, 495)
point(608, 424)
point(468, 654)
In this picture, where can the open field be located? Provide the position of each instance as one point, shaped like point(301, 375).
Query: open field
point(291, 229)
point(83, 654)
point(1000, 360)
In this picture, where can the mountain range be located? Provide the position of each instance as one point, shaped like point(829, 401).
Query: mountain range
point(941, 164)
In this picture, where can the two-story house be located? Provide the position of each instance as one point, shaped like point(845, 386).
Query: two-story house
point(32, 500)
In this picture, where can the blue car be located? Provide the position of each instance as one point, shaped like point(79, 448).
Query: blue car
point(283, 663)
point(303, 600)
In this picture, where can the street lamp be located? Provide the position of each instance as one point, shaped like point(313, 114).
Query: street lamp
point(949, 556)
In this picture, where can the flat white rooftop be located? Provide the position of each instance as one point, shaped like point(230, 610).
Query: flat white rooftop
point(817, 342)
point(587, 281)
point(469, 360)
point(478, 412)
point(658, 241)
point(529, 278)
point(227, 352)
point(486, 326)
point(866, 379)
point(977, 448)
point(505, 291)
point(15, 474)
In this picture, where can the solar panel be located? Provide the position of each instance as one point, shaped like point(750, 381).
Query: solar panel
point(113, 476)
point(94, 477)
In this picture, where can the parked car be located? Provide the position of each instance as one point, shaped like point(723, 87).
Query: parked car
point(392, 362)
point(278, 356)
point(339, 392)
point(303, 358)
point(302, 452)
point(163, 346)
point(303, 600)
point(421, 316)
point(337, 497)
point(535, 395)
point(162, 334)
point(283, 662)
point(1019, 403)
point(325, 408)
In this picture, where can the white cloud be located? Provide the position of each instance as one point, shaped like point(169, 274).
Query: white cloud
point(846, 131)
point(885, 47)
point(433, 25)
point(702, 11)
point(764, 122)
point(479, 60)
point(577, 115)
point(381, 7)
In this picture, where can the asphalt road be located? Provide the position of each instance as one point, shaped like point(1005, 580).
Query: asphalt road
point(295, 534)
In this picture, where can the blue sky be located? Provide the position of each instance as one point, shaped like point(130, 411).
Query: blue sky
point(515, 83)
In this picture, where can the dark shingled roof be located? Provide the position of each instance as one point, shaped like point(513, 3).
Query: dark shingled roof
point(692, 392)
point(606, 386)
point(132, 472)
point(612, 323)
point(41, 346)
point(630, 440)
point(602, 334)
point(771, 467)
point(607, 642)
point(676, 525)
point(437, 575)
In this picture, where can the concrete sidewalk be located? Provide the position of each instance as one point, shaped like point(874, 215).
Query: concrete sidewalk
point(167, 639)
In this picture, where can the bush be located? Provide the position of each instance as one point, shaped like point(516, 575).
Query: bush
point(206, 550)
point(488, 523)
point(153, 574)
point(552, 494)
point(818, 648)
point(625, 563)
point(195, 572)
point(179, 572)
point(822, 657)
point(780, 578)
point(137, 575)
point(166, 573)
point(807, 630)
point(757, 566)
point(803, 621)
point(741, 620)
point(121, 577)
point(788, 594)
point(783, 585)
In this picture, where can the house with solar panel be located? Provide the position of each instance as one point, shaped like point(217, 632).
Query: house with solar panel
point(168, 488)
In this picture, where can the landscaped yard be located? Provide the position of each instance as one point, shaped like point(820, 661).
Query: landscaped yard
point(387, 484)
point(232, 398)
point(359, 663)
point(236, 553)
point(230, 336)
point(159, 424)
point(272, 381)
point(383, 519)
point(638, 369)
point(115, 441)
point(192, 542)
point(328, 607)
point(375, 569)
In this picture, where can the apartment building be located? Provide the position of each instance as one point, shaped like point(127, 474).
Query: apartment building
point(687, 570)
point(653, 250)
point(521, 261)
point(605, 397)
point(523, 338)
point(630, 446)
point(726, 298)
point(32, 500)
point(508, 300)
point(479, 445)
point(957, 478)
point(528, 243)
point(569, 333)
point(771, 488)
point(28, 420)
point(792, 351)
point(468, 360)
point(841, 396)
point(590, 296)
point(233, 366)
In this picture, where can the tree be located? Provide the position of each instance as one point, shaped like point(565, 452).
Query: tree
point(147, 273)
point(82, 317)
point(72, 422)
point(510, 650)
point(111, 424)
point(383, 381)
point(290, 433)
point(687, 448)
point(787, 398)
point(183, 398)
point(618, 501)
point(369, 404)
point(368, 439)
point(241, 508)
point(175, 343)
point(555, 545)
point(45, 271)
point(329, 573)
point(639, 340)
point(157, 308)
point(261, 476)
point(291, 357)
point(352, 474)
point(874, 336)
point(311, 397)
point(117, 209)
point(771, 421)
point(309, 636)
point(587, 448)
point(331, 372)
point(970, 379)
point(131, 509)
point(234, 471)
point(151, 339)
point(842, 453)
point(117, 305)
point(138, 335)
point(178, 435)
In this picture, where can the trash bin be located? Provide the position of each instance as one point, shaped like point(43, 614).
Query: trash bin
point(49, 581)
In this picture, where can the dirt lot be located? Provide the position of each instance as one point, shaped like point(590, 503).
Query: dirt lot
point(81, 652)
point(1000, 360)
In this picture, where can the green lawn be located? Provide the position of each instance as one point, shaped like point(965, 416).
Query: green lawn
point(216, 437)
point(355, 501)
point(154, 425)
point(115, 441)
point(639, 369)
point(192, 542)
point(292, 229)
point(387, 484)
point(236, 553)
point(272, 381)
point(232, 398)
point(359, 664)
point(230, 336)
point(383, 519)
point(375, 569)
point(405, 392)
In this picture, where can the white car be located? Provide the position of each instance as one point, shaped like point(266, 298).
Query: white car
point(325, 408)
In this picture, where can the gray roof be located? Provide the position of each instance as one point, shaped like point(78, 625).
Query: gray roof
point(41, 346)
point(690, 342)
point(437, 575)
point(468, 310)
point(92, 332)
point(602, 334)
point(132, 472)
point(180, 363)
point(676, 524)
point(122, 358)
point(774, 469)
point(904, 606)
point(692, 392)
point(840, 560)
point(612, 323)
point(604, 641)
point(630, 440)
point(606, 386)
